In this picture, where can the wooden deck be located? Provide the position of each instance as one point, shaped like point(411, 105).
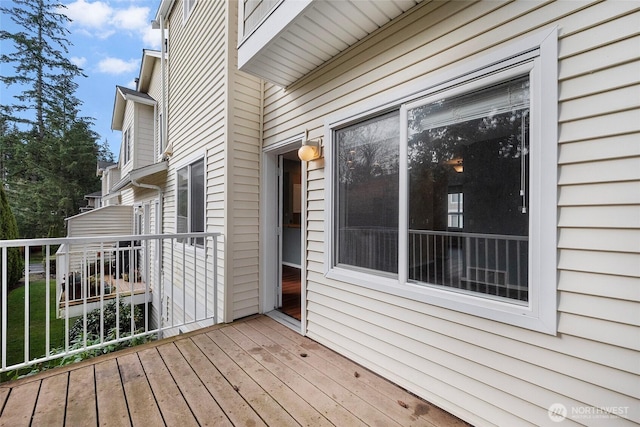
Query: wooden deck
point(254, 372)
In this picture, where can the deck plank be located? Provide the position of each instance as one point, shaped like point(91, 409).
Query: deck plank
point(296, 406)
point(19, 406)
point(299, 408)
point(232, 403)
point(203, 405)
point(143, 409)
point(322, 379)
point(379, 391)
point(173, 407)
point(112, 406)
point(49, 410)
point(81, 398)
point(308, 390)
point(248, 373)
point(260, 401)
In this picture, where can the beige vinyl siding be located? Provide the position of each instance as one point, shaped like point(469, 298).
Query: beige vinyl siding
point(155, 91)
point(106, 221)
point(245, 189)
point(245, 93)
point(196, 111)
point(255, 11)
point(486, 372)
point(144, 133)
point(215, 114)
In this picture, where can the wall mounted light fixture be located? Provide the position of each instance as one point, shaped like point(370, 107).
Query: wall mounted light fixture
point(310, 150)
point(456, 164)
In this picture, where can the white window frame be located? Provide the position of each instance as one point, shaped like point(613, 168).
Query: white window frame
point(126, 143)
point(187, 163)
point(536, 55)
point(187, 8)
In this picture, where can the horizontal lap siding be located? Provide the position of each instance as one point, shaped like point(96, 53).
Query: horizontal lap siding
point(484, 371)
point(196, 110)
point(244, 149)
point(143, 141)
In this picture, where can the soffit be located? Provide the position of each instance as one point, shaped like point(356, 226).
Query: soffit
point(283, 49)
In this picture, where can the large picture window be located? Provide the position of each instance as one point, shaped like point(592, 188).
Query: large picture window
point(367, 194)
point(190, 180)
point(476, 144)
point(445, 199)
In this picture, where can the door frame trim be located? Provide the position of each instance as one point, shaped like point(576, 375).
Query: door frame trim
point(269, 253)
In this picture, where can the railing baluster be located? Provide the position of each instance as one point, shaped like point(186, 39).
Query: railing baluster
point(215, 279)
point(27, 297)
point(47, 291)
point(5, 295)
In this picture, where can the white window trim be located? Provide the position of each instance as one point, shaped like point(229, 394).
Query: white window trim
point(186, 10)
point(182, 164)
point(127, 146)
point(539, 54)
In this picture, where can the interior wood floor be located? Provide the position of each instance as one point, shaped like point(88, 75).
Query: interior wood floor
point(253, 372)
point(291, 297)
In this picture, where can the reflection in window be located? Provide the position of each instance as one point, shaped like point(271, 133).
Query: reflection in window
point(367, 194)
point(190, 215)
point(455, 210)
point(471, 148)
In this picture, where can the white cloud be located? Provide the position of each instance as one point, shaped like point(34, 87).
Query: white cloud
point(88, 15)
point(101, 20)
point(133, 18)
point(117, 66)
point(78, 61)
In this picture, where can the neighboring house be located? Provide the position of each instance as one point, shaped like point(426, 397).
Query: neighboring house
point(94, 200)
point(471, 228)
point(131, 193)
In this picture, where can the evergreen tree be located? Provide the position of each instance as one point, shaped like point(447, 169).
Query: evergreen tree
point(51, 161)
point(8, 231)
point(39, 55)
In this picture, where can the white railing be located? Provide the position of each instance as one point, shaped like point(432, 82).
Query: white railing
point(108, 290)
point(490, 264)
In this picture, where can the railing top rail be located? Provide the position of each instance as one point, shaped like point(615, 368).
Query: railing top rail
point(102, 238)
point(475, 235)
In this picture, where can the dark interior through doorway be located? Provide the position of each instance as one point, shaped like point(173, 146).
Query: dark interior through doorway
point(291, 251)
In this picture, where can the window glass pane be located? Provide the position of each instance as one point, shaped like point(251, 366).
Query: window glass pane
point(468, 191)
point(197, 198)
point(367, 194)
point(183, 200)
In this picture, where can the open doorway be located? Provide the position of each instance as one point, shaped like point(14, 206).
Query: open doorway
point(290, 207)
point(282, 228)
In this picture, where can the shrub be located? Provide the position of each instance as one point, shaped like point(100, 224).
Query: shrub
point(109, 328)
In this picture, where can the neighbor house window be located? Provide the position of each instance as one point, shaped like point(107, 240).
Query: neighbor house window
point(190, 181)
point(127, 145)
point(187, 7)
point(445, 199)
point(455, 211)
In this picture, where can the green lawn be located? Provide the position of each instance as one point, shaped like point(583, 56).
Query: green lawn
point(37, 322)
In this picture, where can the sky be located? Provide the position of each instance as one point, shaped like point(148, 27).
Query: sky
point(108, 37)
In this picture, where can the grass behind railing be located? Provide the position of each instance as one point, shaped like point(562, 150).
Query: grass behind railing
point(37, 323)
